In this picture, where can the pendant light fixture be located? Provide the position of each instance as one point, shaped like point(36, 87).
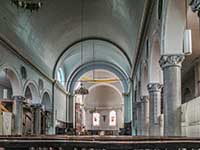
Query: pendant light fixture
point(93, 52)
point(81, 90)
point(28, 4)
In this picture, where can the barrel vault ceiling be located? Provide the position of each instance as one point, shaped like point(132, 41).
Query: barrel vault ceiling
point(43, 35)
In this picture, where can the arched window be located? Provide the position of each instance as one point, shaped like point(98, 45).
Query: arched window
point(96, 119)
point(60, 76)
point(160, 9)
point(112, 118)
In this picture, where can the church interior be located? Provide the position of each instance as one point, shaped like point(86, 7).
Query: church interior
point(87, 74)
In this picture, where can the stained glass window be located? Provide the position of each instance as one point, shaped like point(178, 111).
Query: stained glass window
point(96, 119)
point(112, 120)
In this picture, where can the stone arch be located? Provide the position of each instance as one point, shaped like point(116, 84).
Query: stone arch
point(32, 85)
point(98, 65)
point(62, 55)
point(109, 85)
point(46, 100)
point(155, 71)
point(14, 78)
point(172, 33)
point(106, 66)
point(48, 112)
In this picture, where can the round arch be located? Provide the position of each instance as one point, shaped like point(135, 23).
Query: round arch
point(106, 84)
point(155, 71)
point(110, 100)
point(173, 33)
point(32, 85)
point(46, 100)
point(15, 80)
point(98, 65)
point(62, 55)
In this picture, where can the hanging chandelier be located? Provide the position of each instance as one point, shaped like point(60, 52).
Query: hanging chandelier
point(81, 90)
point(28, 4)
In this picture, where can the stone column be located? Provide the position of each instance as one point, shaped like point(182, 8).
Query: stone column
point(139, 119)
point(18, 114)
point(37, 118)
point(145, 115)
point(171, 66)
point(155, 108)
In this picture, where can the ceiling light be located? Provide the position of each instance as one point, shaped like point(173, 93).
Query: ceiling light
point(82, 90)
point(28, 4)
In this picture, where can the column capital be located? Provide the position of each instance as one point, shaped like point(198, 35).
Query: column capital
point(18, 98)
point(144, 99)
point(138, 103)
point(195, 6)
point(154, 87)
point(37, 106)
point(171, 60)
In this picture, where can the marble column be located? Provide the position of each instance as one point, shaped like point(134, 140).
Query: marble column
point(37, 118)
point(171, 66)
point(154, 108)
point(145, 115)
point(18, 114)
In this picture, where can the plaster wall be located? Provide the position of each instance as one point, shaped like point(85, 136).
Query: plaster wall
point(60, 105)
point(104, 99)
point(191, 118)
point(104, 124)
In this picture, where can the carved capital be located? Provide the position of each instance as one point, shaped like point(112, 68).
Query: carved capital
point(195, 6)
point(144, 99)
point(138, 104)
point(36, 106)
point(18, 98)
point(171, 60)
point(154, 87)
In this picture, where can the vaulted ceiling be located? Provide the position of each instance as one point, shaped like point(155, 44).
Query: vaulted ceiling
point(43, 35)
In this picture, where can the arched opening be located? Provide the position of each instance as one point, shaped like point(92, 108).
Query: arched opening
point(83, 57)
point(92, 111)
point(191, 64)
point(105, 103)
point(31, 95)
point(60, 76)
point(155, 71)
point(27, 116)
point(31, 92)
point(10, 86)
point(6, 87)
point(46, 114)
point(112, 118)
